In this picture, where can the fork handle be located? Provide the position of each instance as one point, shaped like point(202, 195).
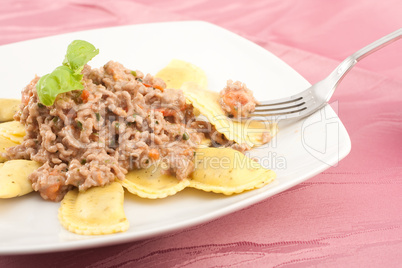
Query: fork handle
point(376, 45)
point(337, 75)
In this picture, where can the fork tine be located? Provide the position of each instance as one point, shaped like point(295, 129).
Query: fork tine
point(278, 113)
point(274, 117)
point(280, 106)
point(282, 111)
point(301, 100)
point(280, 101)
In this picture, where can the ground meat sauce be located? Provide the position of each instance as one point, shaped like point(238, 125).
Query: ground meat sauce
point(237, 100)
point(122, 120)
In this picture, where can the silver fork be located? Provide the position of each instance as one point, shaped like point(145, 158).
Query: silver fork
point(316, 96)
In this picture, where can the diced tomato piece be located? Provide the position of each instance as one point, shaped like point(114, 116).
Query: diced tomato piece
point(158, 87)
point(25, 98)
point(85, 95)
point(52, 191)
point(155, 86)
point(99, 178)
point(232, 97)
point(167, 112)
point(154, 154)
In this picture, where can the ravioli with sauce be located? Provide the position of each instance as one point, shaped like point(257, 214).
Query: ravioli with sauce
point(193, 81)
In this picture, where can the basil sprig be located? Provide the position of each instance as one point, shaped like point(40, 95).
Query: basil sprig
point(78, 54)
point(67, 77)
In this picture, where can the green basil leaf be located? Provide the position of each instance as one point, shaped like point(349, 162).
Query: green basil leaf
point(78, 54)
point(61, 80)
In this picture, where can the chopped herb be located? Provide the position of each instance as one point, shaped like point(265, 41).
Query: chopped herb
point(97, 116)
point(139, 79)
point(134, 73)
point(194, 153)
point(147, 161)
point(157, 122)
point(55, 119)
point(117, 125)
point(40, 105)
point(79, 124)
point(186, 136)
point(83, 161)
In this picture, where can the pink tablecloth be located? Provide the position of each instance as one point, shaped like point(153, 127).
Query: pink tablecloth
point(348, 216)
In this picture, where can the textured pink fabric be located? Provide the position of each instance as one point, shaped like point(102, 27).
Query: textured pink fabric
point(348, 216)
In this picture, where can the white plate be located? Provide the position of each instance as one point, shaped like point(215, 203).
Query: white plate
point(301, 150)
